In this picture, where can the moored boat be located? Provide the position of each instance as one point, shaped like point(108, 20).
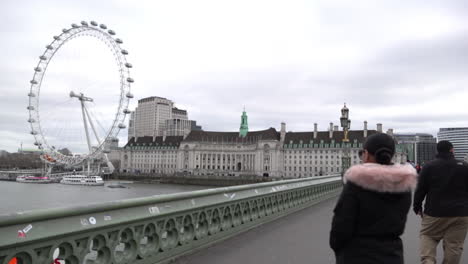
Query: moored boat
point(33, 179)
point(82, 180)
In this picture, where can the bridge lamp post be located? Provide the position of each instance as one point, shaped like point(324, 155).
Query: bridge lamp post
point(346, 125)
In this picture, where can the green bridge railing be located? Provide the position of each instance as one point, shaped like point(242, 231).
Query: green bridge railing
point(153, 229)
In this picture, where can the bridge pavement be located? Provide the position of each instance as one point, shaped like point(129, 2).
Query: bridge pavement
point(301, 237)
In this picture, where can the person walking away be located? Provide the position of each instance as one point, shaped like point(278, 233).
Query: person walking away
point(371, 212)
point(443, 184)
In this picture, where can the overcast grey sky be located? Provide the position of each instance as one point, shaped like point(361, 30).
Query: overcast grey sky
point(401, 63)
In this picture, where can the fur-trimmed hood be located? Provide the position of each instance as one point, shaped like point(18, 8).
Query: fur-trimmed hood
point(383, 178)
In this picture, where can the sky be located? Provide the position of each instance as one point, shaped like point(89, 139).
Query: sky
point(400, 63)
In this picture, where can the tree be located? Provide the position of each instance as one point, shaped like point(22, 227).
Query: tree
point(65, 152)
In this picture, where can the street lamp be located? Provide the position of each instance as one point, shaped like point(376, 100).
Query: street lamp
point(346, 125)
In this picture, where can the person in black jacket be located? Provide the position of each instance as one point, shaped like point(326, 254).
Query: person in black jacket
point(443, 182)
point(371, 212)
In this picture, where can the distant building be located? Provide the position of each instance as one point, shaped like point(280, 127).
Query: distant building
point(179, 114)
point(151, 155)
point(30, 151)
point(149, 118)
point(111, 148)
point(458, 136)
point(156, 116)
point(421, 147)
point(262, 153)
point(180, 127)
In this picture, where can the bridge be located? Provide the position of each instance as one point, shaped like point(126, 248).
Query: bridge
point(275, 222)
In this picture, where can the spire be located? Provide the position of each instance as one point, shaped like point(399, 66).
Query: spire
point(244, 127)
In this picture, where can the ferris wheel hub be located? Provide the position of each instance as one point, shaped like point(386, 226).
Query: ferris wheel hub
point(81, 96)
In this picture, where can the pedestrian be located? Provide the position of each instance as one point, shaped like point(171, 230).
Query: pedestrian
point(371, 212)
point(443, 184)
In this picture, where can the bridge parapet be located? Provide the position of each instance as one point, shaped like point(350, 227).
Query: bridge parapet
point(153, 229)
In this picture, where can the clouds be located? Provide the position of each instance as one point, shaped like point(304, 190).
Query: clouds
point(397, 62)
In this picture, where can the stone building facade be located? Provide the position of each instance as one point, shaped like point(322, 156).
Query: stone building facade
point(263, 153)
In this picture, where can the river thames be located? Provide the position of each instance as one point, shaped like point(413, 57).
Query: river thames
point(17, 197)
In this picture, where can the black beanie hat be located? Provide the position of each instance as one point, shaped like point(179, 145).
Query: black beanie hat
point(382, 146)
point(444, 146)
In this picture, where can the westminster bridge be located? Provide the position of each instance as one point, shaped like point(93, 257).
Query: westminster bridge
point(275, 222)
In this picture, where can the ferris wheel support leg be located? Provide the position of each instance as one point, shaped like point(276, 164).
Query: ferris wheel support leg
point(86, 127)
point(92, 125)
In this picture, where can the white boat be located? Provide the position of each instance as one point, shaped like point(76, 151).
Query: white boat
point(33, 179)
point(82, 180)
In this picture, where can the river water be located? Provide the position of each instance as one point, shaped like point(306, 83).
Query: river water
point(16, 197)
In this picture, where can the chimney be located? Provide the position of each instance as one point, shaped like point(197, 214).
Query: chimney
point(330, 131)
point(164, 135)
point(283, 132)
point(335, 128)
point(365, 129)
point(379, 128)
point(390, 132)
point(315, 130)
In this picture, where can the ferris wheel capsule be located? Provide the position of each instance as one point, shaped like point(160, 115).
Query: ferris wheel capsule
point(122, 126)
point(130, 80)
point(75, 25)
point(84, 23)
point(32, 94)
point(94, 23)
point(129, 95)
point(126, 111)
point(103, 26)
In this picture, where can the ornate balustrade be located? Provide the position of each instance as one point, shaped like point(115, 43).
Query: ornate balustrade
point(153, 229)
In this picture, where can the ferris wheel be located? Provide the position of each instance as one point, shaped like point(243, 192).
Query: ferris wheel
point(67, 109)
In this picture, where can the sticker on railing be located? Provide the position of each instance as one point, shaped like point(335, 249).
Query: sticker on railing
point(21, 234)
point(84, 222)
point(256, 191)
point(92, 220)
point(273, 189)
point(154, 210)
point(192, 201)
point(27, 228)
point(164, 235)
point(230, 196)
point(107, 218)
point(182, 230)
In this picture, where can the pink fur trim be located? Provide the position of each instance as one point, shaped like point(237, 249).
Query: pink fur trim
point(383, 178)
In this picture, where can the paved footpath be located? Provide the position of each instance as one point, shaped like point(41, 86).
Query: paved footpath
point(299, 238)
